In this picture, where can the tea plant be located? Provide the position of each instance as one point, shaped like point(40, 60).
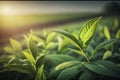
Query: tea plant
point(91, 65)
point(50, 56)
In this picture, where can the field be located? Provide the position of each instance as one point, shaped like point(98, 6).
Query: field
point(83, 50)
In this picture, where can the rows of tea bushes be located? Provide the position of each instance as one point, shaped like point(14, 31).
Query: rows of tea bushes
point(90, 52)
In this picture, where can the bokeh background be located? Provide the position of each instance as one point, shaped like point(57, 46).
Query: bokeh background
point(19, 17)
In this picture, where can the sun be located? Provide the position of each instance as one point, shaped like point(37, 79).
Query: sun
point(7, 10)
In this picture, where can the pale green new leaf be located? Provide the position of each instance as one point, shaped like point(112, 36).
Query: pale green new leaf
point(50, 37)
point(16, 45)
point(29, 57)
point(107, 33)
point(107, 54)
point(78, 52)
point(33, 48)
point(118, 34)
point(88, 30)
point(8, 50)
point(116, 22)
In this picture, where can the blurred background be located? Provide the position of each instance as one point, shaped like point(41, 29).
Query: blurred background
point(19, 17)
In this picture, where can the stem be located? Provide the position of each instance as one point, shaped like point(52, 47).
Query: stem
point(85, 56)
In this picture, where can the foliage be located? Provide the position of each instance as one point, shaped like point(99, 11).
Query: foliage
point(52, 56)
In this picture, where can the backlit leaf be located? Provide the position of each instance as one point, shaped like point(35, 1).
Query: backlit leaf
point(118, 34)
point(88, 30)
point(29, 57)
point(33, 48)
point(16, 45)
point(107, 33)
point(107, 54)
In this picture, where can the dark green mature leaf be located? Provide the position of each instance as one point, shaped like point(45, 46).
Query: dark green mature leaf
point(56, 59)
point(71, 38)
point(40, 74)
point(62, 67)
point(106, 44)
point(88, 75)
point(40, 61)
point(88, 30)
point(69, 73)
point(33, 48)
point(28, 69)
point(104, 67)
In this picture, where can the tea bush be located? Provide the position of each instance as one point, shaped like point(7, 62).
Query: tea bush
point(64, 55)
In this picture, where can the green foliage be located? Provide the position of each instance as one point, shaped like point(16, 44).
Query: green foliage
point(28, 69)
point(106, 68)
point(65, 65)
point(107, 33)
point(107, 54)
point(40, 74)
point(118, 34)
point(29, 57)
point(33, 48)
point(49, 56)
point(106, 44)
point(70, 37)
point(88, 31)
point(15, 45)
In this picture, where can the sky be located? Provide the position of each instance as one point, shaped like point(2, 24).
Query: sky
point(26, 7)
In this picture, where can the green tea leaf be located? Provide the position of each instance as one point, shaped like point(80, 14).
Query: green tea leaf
point(39, 61)
point(104, 67)
point(63, 66)
point(16, 45)
point(107, 54)
point(40, 74)
point(107, 33)
point(68, 73)
point(88, 75)
point(71, 38)
point(28, 69)
point(8, 50)
point(51, 45)
point(56, 59)
point(88, 30)
point(118, 34)
point(78, 51)
point(106, 43)
point(29, 57)
point(50, 37)
point(116, 22)
point(33, 48)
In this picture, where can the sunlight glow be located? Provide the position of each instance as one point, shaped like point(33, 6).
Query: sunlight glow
point(7, 10)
